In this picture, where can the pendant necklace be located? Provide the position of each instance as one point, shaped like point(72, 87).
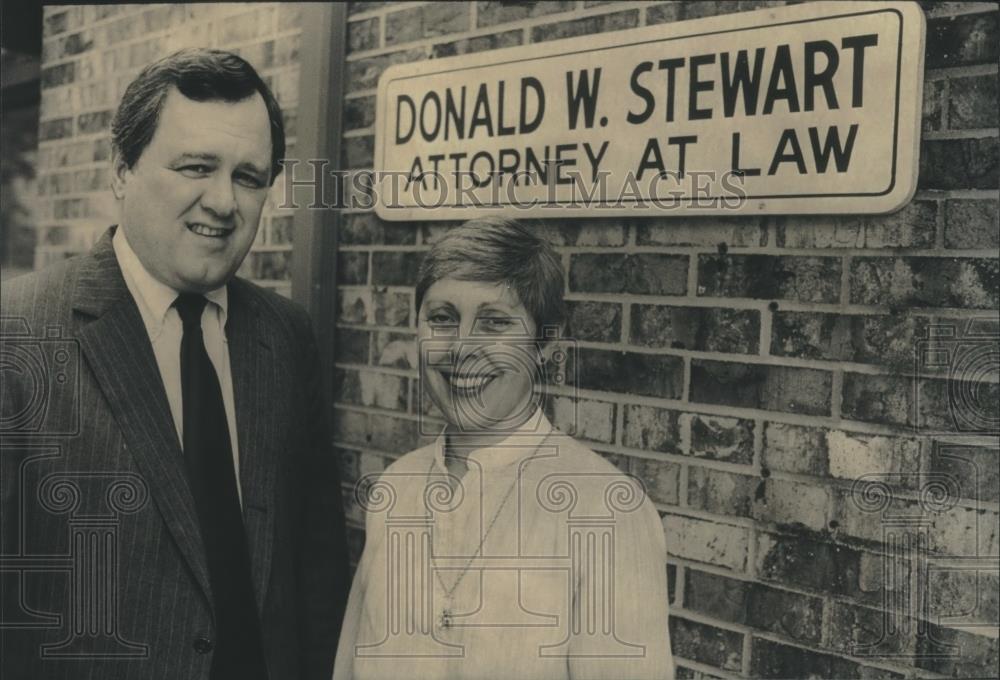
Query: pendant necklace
point(445, 619)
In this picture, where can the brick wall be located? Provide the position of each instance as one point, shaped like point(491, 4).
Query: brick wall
point(749, 370)
point(89, 55)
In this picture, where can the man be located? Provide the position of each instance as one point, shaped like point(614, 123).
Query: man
point(192, 428)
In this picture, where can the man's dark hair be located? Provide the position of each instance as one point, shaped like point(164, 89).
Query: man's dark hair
point(199, 74)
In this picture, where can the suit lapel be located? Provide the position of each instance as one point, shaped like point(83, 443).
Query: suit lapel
point(256, 378)
point(117, 349)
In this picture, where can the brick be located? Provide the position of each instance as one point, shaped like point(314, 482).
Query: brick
point(351, 346)
point(932, 108)
point(771, 659)
point(383, 390)
point(972, 102)
point(705, 541)
point(719, 492)
point(363, 35)
point(95, 179)
point(352, 268)
point(881, 340)
point(783, 612)
point(913, 226)
point(973, 470)
point(493, 12)
point(394, 349)
point(367, 228)
point(651, 429)
point(598, 321)
point(707, 644)
point(351, 426)
point(962, 595)
point(926, 282)
point(735, 232)
point(55, 22)
point(584, 418)
point(959, 164)
point(363, 74)
point(719, 438)
point(275, 266)
point(957, 653)
point(358, 152)
point(359, 113)
point(719, 597)
point(99, 121)
point(972, 224)
point(479, 43)
point(780, 388)
point(706, 329)
point(959, 404)
point(663, 13)
point(647, 375)
point(659, 477)
point(650, 274)
point(594, 232)
point(962, 40)
point(392, 309)
point(791, 504)
point(346, 387)
point(882, 399)
point(395, 268)
point(808, 564)
point(585, 26)
point(355, 305)
point(808, 279)
point(62, 74)
point(393, 434)
point(432, 19)
point(852, 456)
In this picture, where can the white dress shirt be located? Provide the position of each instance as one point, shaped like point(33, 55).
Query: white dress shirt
point(525, 511)
point(163, 325)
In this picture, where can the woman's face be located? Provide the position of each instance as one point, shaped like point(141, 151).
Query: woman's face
point(479, 360)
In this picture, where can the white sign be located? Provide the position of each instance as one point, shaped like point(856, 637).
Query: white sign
point(812, 108)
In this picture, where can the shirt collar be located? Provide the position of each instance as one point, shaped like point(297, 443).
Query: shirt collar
point(153, 297)
point(522, 443)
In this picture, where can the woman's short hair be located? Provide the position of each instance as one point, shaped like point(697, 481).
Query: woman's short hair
point(500, 250)
point(199, 74)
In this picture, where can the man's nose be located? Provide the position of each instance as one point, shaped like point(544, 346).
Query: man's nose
point(219, 198)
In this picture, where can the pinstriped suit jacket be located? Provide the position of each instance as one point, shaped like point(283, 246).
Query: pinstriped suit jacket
point(102, 570)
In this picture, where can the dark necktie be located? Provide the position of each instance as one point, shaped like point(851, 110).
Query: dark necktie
point(208, 455)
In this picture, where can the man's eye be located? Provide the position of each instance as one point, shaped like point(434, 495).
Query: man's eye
point(196, 170)
point(440, 319)
point(250, 181)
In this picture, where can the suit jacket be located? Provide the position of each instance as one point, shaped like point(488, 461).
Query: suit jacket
point(102, 571)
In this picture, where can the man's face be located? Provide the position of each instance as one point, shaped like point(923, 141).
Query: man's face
point(478, 358)
point(192, 202)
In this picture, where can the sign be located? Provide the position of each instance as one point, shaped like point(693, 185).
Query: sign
point(812, 108)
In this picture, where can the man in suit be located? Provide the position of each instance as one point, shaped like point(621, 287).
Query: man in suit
point(171, 509)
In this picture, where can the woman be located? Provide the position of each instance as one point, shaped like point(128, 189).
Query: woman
point(505, 549)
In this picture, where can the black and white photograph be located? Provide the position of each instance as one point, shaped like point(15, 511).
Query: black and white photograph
point(492, 340)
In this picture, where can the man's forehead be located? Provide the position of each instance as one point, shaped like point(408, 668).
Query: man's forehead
point(190, 118)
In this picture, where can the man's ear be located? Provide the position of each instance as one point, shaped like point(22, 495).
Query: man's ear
point(119, 175)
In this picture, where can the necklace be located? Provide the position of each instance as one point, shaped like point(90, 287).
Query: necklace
point(446, 618)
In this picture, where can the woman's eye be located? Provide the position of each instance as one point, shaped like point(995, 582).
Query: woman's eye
point(439, 319)
point(496, 323)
